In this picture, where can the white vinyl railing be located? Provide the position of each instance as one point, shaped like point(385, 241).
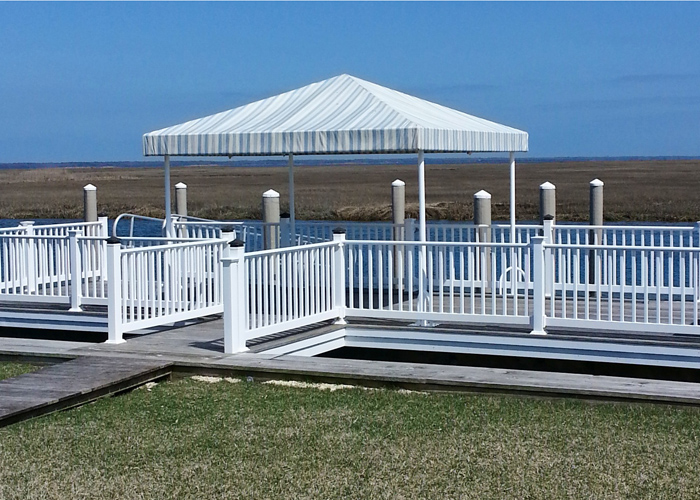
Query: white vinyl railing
point(156, 285)
point(40, 263)
point(616, 235)
point(455, 282)
point(288, 288)
point(624, 287)
point(536, 284)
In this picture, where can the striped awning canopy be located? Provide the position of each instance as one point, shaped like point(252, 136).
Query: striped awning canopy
point(340, 115)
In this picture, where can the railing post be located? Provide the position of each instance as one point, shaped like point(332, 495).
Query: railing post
point(235, 303)
point(114, 291)
point(548, 234)
point(104, 226)
point(537, 320)
point(75, 272)
point(30, 270)
point(696, 243)
point(339, 275)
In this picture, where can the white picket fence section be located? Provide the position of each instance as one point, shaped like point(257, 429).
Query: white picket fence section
point(439, 281)
point(538, 284)
point(156, 285)
point(38, 263)
point(624, 287)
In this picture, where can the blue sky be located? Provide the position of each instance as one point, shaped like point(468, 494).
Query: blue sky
point(84, 81)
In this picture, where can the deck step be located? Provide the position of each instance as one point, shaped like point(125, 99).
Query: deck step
point(73, 383)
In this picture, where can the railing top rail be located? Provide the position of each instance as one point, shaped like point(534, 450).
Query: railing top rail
point(484, 244)
point(37, 236)
point(207, 223)
point(620, 228)
point(293, 249)
point(67, 224)
point(176, 246)
point(501, 225)
point(161, 239)
point(192, 218)
point(611, 248)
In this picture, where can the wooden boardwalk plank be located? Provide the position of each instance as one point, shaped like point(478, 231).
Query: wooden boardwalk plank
point(73, 383)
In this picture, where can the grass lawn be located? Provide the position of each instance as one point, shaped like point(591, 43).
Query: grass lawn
point(12, 369)
point(190, 439)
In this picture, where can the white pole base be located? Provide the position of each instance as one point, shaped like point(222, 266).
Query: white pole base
point(120, 341)
point(538, 332)
point(340, 321)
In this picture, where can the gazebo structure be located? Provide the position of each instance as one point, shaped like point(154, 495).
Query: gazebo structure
point(341, 115)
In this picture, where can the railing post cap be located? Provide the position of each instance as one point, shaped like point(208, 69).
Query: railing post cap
point(102, 214)
point(547, 185)
point(596, 183)
point(398, 183)
point(227, 229)
point(89, 187)
point(113, 240)
point(27, 223)
point(339, 230)
point(548, 217)
point(180, 185)
point(271, 193)
point(285, 215)
point(237, 243)
point(482, 194)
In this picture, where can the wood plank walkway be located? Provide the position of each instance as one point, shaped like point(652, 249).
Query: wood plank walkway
point(73, 383)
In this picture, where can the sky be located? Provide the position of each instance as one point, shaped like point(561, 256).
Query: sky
point(84, 81)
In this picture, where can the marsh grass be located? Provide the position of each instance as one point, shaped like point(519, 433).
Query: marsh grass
point(188, 439)
point(652, 190)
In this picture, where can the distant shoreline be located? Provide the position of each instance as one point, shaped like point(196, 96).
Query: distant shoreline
point(310, 161)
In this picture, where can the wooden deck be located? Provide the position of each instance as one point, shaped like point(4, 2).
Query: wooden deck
point(100, 369)
point(73, 383)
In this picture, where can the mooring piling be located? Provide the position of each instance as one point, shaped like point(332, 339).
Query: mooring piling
point(548, 201)
point(181, 199)
point(271, 218)
point(90, 203)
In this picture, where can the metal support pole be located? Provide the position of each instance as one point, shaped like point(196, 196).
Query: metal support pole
point(421, 196)
point(168, 208)
point(423, 299)
point(512, 196)
point(292, 213)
